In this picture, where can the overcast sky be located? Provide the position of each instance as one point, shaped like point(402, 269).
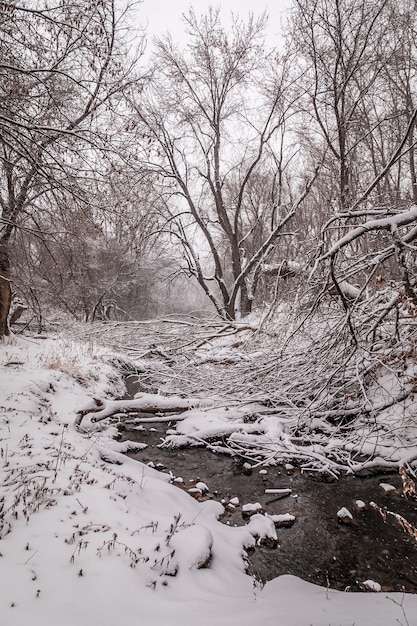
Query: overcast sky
point(160, 16)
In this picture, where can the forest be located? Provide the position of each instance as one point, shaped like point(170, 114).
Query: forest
point(243, 175)
point(231, 218)
point(272, 189)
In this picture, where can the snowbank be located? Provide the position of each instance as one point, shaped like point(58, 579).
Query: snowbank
point(89, 536)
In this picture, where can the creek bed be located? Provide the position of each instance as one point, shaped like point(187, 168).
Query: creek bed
point(318, 547)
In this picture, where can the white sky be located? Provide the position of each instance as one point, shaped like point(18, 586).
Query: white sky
point(160, 16)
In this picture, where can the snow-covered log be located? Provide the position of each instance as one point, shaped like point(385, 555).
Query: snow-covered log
point(99, 410)
point(350, 292)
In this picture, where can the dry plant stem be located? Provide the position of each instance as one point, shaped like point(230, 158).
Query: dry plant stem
point(59, 453)
point(405, 525)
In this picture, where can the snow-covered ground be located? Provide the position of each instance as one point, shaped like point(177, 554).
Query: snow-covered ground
point(88, 536)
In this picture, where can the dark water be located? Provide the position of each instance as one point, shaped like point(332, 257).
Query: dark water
point(317, 547)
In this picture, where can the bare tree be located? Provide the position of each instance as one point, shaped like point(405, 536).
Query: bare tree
point(62, 68)
point(214, 118)
point(359, 70)
point(342, 48)
point(93, 257)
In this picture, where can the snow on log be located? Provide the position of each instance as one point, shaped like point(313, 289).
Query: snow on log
point(282, 520)
point(251, 508)
point(279, 492)
point(99, 410)
point(386, 487)
point(344, 515)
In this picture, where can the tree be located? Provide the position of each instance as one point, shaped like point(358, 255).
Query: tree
point(359, 67)
point(214, 119)
point(341, 48)
point(62, 70)
point(96, 256)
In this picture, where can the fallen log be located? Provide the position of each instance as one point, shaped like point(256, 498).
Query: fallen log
point(99, 409)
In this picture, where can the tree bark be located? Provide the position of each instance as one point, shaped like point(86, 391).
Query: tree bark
point(5, 288)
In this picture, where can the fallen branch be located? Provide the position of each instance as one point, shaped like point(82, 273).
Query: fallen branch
point(99, 410)
point(318, 404)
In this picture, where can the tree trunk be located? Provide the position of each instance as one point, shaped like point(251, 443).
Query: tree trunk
point(245, 301)
point(5, 288)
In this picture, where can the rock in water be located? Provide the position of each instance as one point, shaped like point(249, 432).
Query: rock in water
point(344, 516)
point(371, 585)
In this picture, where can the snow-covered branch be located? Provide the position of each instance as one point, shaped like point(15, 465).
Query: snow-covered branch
point(391, 223)
point(98, 410)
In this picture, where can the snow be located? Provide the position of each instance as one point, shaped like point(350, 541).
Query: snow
point(387, 487)
point(89, 536)
point(262, 527)
point(391, 223)
point(271, 405)
point(344, 513)
point(282, 519)
point(281, 492)
point(251, 507)
point(371, 585)
point(350, 291)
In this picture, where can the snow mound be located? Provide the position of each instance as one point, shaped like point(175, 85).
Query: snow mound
point(193, 546)
point(262, 527)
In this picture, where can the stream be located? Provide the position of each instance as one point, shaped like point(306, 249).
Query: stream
point(318, 547)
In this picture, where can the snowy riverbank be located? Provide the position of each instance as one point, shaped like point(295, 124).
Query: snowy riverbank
point(91, 537)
